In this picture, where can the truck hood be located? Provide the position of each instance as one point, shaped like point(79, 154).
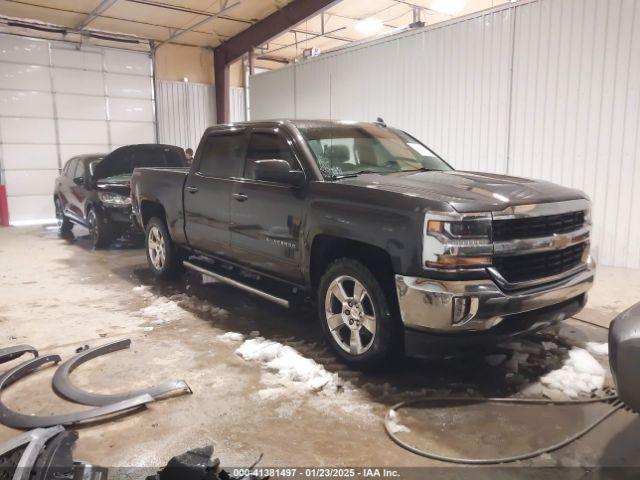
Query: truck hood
point(468, 191)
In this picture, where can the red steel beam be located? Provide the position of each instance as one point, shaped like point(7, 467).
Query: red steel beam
point(261, 32)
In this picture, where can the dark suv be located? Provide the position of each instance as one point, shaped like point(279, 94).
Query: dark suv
point(93, 190)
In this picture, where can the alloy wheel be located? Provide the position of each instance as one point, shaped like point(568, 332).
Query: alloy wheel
point(156, 248)
point(93, 227)
point(350, 315)
point(59, 215)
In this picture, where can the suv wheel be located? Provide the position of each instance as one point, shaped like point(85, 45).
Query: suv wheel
point(64, 224)
point(100, 231)
point(355, 315)
point(161, 253)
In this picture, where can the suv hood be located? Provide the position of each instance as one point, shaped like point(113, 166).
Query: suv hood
point(468, 191)
point(117, 184)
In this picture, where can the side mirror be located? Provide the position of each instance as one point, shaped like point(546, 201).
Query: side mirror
point(78, 180)
point(278, 171)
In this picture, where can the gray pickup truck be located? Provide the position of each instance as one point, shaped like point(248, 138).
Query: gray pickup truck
point(401, 252)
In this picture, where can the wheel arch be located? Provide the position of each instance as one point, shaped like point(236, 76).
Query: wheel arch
point(150, 209)
point(325, 249)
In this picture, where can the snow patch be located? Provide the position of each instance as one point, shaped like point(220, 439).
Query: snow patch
point(143, 291)
point(231, 337)
point(289, 366)
point(597, 348)
point(394, 424)
point(581, 374)
point(162, 310)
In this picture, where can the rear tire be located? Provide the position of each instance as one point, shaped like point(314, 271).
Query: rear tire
point(64, 224)
point(162, 255)
point(100, 230)
point(355, 315)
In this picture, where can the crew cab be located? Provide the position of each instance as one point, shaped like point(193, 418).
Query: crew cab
point(400, 251)
point(93, 190)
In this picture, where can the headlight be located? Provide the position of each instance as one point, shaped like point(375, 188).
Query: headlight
point(459, 229)
point(457, 244)
point(114, 199)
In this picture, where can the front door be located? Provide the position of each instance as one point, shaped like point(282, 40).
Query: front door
point(266, 217)
point(219, 159)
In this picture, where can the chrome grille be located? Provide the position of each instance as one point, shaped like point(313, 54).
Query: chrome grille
point(535, 227)
point(523, 268)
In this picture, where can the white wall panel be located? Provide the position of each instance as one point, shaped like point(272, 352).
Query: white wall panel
point(547, 89)
point(121, 61)
point(70, 57)
point(30, 182)
point(82, 131)
point(24, 50)
point(124, 133)
point(29, 157)
point(58, 101)
point(26, 103)
point(71, 106)
point(69, 80)
point(30, 208)
point(131, 109)
point(24, 77)
point(185, 110)
point(134, 86)
point(272, 94)
point(27, 130)
point(237, 112)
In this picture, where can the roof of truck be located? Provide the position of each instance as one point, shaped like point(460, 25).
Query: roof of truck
point(298, 123)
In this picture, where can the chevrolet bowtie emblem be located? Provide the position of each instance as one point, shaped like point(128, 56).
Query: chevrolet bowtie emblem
point(561, 242)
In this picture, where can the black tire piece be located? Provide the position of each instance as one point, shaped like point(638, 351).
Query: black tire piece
point(172, 265)
point(64, 224)
point(387, 341)
point(100, 230)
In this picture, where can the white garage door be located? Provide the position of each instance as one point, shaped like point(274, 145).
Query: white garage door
point(57, 101)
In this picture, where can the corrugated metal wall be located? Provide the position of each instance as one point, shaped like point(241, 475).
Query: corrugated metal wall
point(542, 88)
point(186, 109)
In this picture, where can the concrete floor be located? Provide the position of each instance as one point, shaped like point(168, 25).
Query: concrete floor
point(58, 295)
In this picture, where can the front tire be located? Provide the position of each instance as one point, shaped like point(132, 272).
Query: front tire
point(64, 224)
point(162, 255)
point(355, 315)
point(100, 230)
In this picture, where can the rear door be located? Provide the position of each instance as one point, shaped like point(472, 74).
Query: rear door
point(79, 192)
point(207, 191)
point(266, 217)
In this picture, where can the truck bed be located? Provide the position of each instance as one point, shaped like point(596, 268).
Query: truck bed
point(163, 186)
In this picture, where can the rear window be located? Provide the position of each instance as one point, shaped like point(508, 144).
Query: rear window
point(222, 155)
point(157, 157)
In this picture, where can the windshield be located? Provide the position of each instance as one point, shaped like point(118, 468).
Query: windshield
point(345, 150)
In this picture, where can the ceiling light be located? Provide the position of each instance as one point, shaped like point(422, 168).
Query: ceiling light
point(448, 7)
point(369, 26)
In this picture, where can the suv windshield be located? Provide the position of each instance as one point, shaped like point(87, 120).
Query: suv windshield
point(345, 150)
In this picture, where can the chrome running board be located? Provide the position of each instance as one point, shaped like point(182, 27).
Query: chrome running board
point(230, 281)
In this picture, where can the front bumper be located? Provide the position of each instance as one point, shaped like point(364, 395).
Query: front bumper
point(428, 305)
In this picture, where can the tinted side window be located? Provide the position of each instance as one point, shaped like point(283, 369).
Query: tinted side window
point(266, 146)
point(221, 155)
point(79, 170)
point(70, 169)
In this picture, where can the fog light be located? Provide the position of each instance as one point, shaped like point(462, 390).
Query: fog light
point(464, 309)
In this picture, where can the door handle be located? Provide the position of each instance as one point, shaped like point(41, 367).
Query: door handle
point(191, 189)
point(241, 197)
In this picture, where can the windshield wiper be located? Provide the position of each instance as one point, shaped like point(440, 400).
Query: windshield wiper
point(355, 174)
point(422, 169)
